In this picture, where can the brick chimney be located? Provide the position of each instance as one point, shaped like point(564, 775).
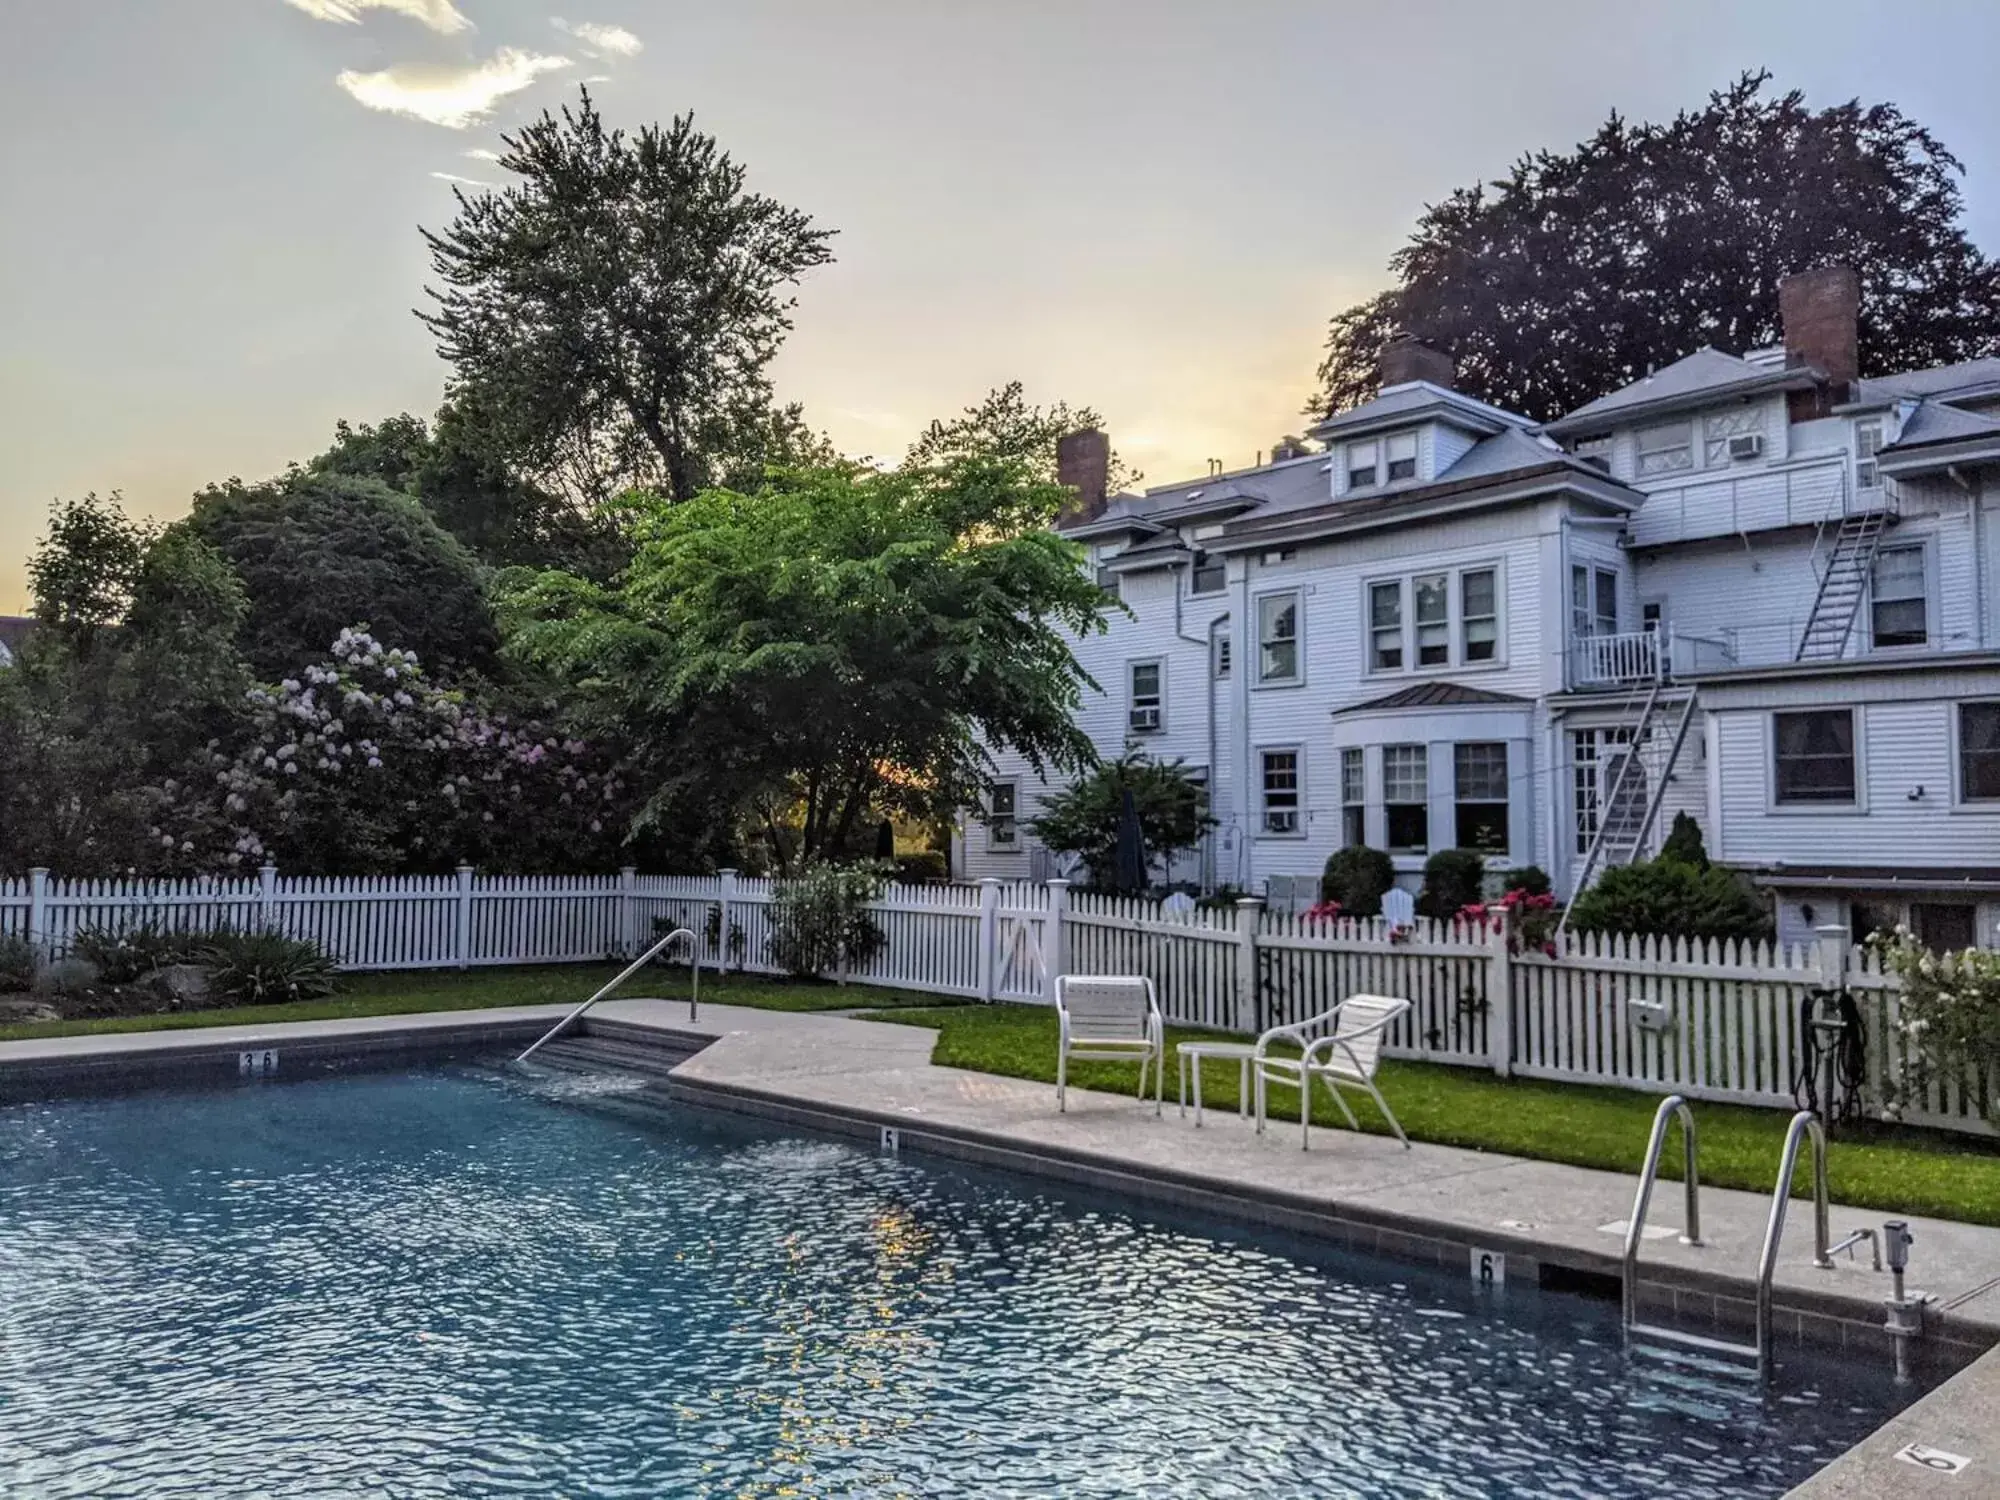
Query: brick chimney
point(1820, 313)
point(1405, 359)
point(1083, 464)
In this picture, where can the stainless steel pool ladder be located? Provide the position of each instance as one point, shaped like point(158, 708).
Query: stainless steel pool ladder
point(694, 999)
point(1805, 1124)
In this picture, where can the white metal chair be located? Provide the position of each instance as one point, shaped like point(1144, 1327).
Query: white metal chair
point(1110, 1018)
point(1350, 1053)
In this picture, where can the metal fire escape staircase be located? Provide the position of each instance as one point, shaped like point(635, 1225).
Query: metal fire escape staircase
point(1843, 585)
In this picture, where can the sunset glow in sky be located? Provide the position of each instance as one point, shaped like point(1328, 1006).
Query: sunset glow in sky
point(211, 206)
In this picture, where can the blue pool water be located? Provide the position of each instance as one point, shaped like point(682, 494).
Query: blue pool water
point(457, 1282)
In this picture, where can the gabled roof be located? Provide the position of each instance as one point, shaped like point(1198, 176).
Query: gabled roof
point(1975, 377)
point(1703, 376)
point(1437, 695)
point(1418, 400)
point(1935, 423)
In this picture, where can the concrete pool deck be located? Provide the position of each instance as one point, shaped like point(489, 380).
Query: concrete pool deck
point(1547, 1223)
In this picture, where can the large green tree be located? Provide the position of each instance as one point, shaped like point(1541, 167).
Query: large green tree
point(614, 310)
point(1581, 270)
point(844, 646)
point(1084, 818)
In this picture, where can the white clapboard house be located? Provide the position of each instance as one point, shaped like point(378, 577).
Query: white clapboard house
point(1758, 588)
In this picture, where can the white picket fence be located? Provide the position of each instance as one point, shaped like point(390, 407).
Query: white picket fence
point(1714, 1021)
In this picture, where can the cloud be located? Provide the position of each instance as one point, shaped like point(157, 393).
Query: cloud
point(468, 181)
point(452, 97)
point(597, 38)
point(440, 15)
point(480, 153)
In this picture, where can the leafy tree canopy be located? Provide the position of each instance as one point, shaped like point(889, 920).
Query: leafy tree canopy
point(614, 311)
point(1580, 271)
point(1005, 426)
point(1083, 819)
point(83, 571)
point(834, 650)
point(317, 553)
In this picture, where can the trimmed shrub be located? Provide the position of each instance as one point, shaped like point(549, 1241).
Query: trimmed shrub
point(122, 957)
point(1683, 844)
point(17, 963)
point(1531, 880)
point(1667, 898)
point(1453, 880)
point(821, 920)
point(1357, 878)
point(266, 968)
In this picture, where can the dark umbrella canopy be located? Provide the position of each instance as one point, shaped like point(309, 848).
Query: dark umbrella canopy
point(1129, 863)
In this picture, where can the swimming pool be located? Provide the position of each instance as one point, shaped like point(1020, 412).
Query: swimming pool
point(457, 1281)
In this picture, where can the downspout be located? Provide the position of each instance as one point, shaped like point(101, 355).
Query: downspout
point(1975, 494)
point(1207, 642)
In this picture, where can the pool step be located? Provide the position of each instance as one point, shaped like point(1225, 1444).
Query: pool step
point(602, 1054)
point(1715, 1356)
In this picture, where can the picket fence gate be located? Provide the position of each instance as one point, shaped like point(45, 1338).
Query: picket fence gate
point(1715, 1021)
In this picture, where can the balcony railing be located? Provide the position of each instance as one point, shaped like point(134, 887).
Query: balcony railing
point(1808, 492)
point(1631, 657)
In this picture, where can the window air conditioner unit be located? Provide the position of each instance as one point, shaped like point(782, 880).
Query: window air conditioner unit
point(1145, 721)
point(1284, 820)
point(1746, 445)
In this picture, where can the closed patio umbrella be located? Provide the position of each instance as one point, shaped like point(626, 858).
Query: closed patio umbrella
point(1129, 862)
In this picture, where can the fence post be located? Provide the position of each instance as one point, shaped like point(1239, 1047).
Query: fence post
point(1500, 996)
point(727, 900)
point(1249, 912)
point(462, 938)
point(1833, 946)
point(1055, 939)
point(989, 938)
point(38, 910)
point(267, 897)
point(628, 910)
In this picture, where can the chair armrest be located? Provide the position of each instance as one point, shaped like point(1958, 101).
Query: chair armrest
point(1293, 1034)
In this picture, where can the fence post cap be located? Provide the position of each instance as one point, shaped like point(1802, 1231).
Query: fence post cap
point(628, 869)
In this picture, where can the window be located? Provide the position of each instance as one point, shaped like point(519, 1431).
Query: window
point(1278, 638)
point(1385, 626)
point(1146, 710)
point(1209, 575)
point(1108, 581)
point(1479, 790)
point(1665, 449)
point(1897, 613)
point(1222, 654)
point(1353, 797)
point(1604, 789)
point(1278, 555)
point(1651, 615)
point(1433, 612)
point(1406, 797)
point(1979, 752)
point(1721, 426)
point(1815, 756)
point(1003, 828)
point(1362, 459)
point(1281, 791)
point(1595, 450)
point(1400, 449)
point(1593, 601)
point(1867, 443)
point(1478, 615)
point(1945, 926)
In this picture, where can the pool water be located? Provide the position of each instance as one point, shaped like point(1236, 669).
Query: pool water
point(461, 1282)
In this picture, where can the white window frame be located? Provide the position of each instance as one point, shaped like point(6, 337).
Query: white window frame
point(1353, 455)
point(1205, 560)
point(1600, 449)
point(1399, 448)
point(1423, 753)
point(1418, 625)
point(1505, 802)
point(1155, 702)
point(1650, 462)
point(1868, 433)
point(1297, 809)
point(1263, 602)
point(1718, 427)
point(1224, 656)
point(1353, 796)
point(1406, 630)
point(1858, 734)
point(1586, 620)
point(1003, 830)
point(1959, 796)
point(1926, 594)
point(1108, 583)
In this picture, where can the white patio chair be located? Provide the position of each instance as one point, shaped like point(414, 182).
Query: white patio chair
point(1399, 908)
point(1110, 1018)
point(1348, 1054)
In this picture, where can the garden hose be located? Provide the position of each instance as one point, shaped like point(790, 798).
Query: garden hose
point(1850, 1056)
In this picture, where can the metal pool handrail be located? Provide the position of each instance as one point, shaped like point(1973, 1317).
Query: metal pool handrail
point(1804, 1123)
point(694, 1002)
point(1691, 1233)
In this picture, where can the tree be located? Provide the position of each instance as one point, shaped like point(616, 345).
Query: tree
point(1684, 843)
point(1581, 271)
point(1669, 898)
point(1083, 819)
point(616, 309)
point(82, 573)
point(1005, 426)
point(320, 552)
point(845, 646)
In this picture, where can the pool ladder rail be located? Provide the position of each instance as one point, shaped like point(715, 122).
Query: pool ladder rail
point(1805, 1126)
point(694, 997)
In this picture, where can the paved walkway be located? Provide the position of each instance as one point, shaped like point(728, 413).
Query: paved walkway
point(1434, 1199)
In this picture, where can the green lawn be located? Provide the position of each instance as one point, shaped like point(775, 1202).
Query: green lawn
point(400, 992)
point(1896, 1171)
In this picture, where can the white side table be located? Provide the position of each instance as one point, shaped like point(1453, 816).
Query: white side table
point(1193, 1054)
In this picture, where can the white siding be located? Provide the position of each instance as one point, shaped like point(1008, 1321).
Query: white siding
point(1448, 445)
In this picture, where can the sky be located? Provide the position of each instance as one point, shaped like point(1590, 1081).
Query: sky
point(209, 209)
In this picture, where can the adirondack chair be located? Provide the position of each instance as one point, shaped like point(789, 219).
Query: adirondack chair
point(1349, 1053)
point(1399, 908)
point(1110, 1018)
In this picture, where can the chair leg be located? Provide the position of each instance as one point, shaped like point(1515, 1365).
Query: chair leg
point(1062, 1080)
point(1243, 1091)
point(1182, 1071)
point(1305, 1111)
point(1341, 1100)
point(1389, 1115)
point(1160, 1081)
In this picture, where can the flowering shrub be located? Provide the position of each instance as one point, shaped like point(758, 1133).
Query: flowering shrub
point(360, 764)
point(821, 920)
point(1323, 911)
point(1949, 1013)
point(1527, 917)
